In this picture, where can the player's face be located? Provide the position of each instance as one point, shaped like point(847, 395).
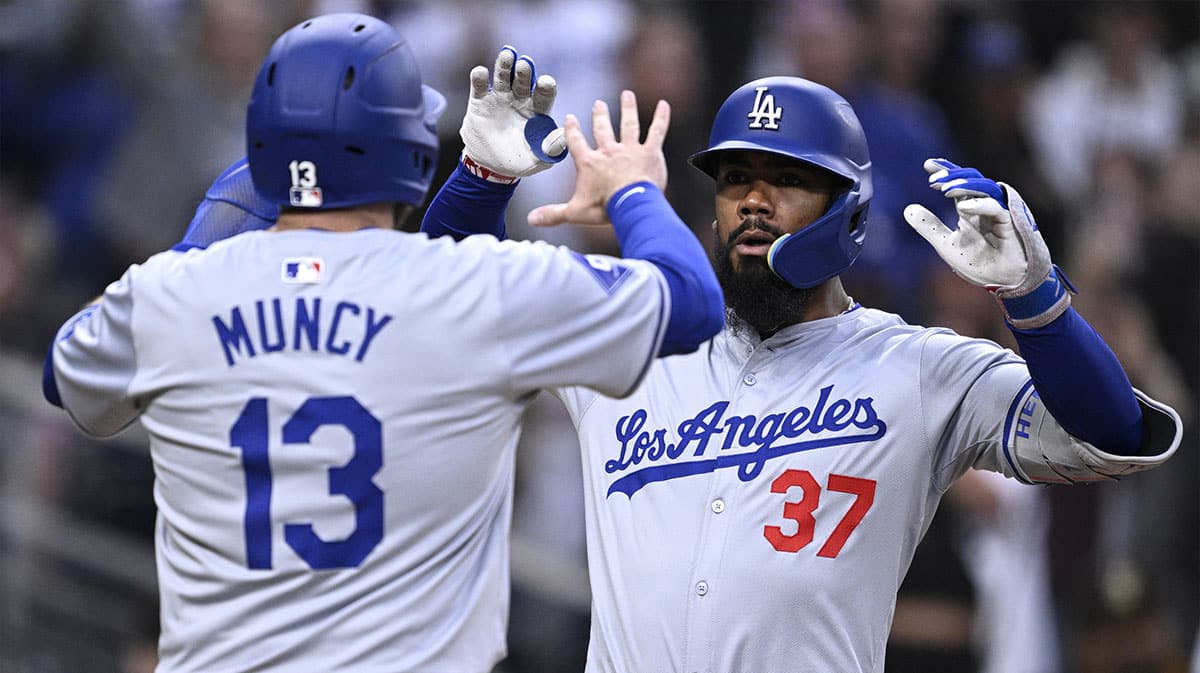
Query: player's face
point(761, 196)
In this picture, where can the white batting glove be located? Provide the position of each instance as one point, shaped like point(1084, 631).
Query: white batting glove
point(507, 131)
point(996, 246)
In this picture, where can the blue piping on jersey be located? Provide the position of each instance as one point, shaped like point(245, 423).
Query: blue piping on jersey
point(1008, 423)
point(49, 384)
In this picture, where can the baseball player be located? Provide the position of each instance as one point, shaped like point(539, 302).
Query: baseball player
point(333, 405)
point(753, 506)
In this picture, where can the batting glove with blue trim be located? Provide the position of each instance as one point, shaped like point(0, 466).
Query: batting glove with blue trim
point(996, 245)
point(507, 132)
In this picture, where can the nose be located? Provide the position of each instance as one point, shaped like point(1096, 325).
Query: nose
point(757, 201)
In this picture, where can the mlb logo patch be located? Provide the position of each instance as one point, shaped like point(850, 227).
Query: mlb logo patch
point(306, 197)
point(303, 269)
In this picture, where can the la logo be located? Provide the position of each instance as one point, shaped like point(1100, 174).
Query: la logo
point(764, 108)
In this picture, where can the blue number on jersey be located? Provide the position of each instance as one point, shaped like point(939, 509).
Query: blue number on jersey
point(353, 480)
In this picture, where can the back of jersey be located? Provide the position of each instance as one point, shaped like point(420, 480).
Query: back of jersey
point(329, 435)
point(332, 421)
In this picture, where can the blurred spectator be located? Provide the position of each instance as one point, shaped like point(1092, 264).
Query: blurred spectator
point(1167, 277)
point(665, 60)
point(878, 57)
point(580, 43)
point(990, 83)
point(189, 125)
point(115, 115)
point(934, 619)
point(1115, 91)
point(1124, 554)
point(64, 106)
point(1007, 559)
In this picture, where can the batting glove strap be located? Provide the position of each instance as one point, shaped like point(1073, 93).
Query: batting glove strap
point(479, 171)
point(1046, 302)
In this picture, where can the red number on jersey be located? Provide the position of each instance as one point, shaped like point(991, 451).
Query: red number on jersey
point(801, 511)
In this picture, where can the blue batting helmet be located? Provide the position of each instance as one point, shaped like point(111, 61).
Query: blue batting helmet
point(812, 123)
point(339, 117)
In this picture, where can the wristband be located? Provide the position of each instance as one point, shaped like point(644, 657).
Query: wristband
point(486, 173)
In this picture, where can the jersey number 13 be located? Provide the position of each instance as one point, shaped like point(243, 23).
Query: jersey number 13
point(353, 480)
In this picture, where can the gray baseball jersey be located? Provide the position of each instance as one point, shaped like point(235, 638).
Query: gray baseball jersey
point(754, 506)
point(332, 421)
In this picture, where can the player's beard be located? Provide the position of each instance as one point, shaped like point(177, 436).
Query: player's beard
point(753, 293)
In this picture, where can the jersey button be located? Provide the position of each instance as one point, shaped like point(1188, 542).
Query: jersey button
point(749, 379)
point(718, 506)
point(701, 588)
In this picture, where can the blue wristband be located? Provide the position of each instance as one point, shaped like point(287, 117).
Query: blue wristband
point(466, 205)
point(1045, 298)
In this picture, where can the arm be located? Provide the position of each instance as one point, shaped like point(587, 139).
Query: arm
point(997, 246)
point(92, 361)
point(507, 135)
point(621, 181)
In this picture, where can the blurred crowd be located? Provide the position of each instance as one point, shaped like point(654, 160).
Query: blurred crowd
point(115, 115)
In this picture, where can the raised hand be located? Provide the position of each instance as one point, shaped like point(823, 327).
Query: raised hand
point(507, 132)
point(997, 244)
point(612, 164)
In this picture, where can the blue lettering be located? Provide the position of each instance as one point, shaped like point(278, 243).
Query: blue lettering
point(344, 347)
point(814, 425)
point(660, 445)
point(827, 416)
point(307, 325)
point(232, 337)
point(794, 422)
point(267, 346)
point(735, 423)
point(1023, 423)
point(768, 430)
point(373, 328)
point(699, 429)
point(864, 407)
point(627, 428)
point(836, 417)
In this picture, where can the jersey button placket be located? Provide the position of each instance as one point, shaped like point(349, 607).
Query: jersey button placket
point(718, 506)
point(702, 588)
point(750, 379)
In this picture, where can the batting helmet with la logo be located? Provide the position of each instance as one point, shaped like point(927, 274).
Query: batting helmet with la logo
point(812, 123)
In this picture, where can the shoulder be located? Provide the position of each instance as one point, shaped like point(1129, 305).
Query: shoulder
point(891, 331)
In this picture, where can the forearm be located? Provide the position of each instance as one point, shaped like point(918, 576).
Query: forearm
point(467, 205)
point(647, 228)
point(1082, 383)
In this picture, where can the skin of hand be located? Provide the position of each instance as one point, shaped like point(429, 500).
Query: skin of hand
point(611, 165)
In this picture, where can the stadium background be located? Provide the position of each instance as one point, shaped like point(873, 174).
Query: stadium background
point(116, 114)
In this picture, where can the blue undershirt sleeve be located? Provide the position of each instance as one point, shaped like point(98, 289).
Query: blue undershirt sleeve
point(648, 228)
point(467, 205)
point(1082, 383)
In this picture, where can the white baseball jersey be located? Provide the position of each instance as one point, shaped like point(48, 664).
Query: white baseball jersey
point(332, 420)
point(754, 506)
